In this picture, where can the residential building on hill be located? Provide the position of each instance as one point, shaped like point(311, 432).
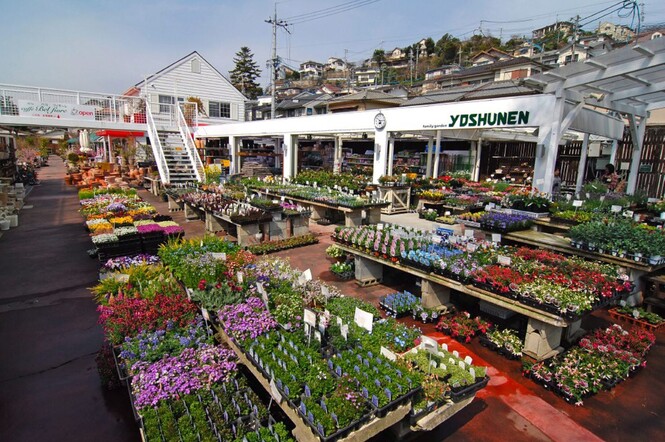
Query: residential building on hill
point(619, 33)
point(562, 26)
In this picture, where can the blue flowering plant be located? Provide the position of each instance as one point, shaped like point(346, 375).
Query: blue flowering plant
point(151, 346)
point(399, 304)
point(379, 380)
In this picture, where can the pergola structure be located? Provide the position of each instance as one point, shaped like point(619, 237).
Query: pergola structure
point(627, 82)
point(587, 97)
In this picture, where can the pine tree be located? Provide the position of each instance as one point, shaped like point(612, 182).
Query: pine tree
point(244, 75)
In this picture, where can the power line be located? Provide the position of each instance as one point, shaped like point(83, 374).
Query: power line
point(327, 12)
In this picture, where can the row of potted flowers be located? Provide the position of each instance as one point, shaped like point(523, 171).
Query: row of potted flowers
point(602, 359)
point(544, 280)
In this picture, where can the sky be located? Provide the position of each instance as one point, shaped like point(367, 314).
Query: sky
point(108, 46)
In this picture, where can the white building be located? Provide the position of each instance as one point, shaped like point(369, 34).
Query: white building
point(192, 76)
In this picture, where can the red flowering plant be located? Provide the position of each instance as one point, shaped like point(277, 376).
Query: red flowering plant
point(126, 316)
point(462, 327)
point(500, 277)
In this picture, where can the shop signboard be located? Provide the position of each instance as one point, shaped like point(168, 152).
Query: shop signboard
point(66, 111)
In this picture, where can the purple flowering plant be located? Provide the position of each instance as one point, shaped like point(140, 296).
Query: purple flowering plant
point(173, 376)
point(247, 320)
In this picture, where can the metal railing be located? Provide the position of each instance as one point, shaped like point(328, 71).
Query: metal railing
point(107, 107)
point(191, 110)
point(157, 150)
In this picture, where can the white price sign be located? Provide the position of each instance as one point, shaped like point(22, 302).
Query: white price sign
point(577, 203)
point(504, 260)
point(363, 319)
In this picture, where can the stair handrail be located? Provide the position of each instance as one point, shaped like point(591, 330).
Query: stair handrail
point(156, 145)
point(186, 136)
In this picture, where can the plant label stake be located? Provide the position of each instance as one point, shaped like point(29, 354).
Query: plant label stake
point(388, 354)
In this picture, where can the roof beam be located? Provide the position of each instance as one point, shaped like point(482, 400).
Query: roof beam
point(576, 97)
point(617, 70)
point(638, 91)
point(642, 50)
point(637, 79)
point(556, 75)
point(596, 63)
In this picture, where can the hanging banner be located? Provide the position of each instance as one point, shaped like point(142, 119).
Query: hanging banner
point(64, 111)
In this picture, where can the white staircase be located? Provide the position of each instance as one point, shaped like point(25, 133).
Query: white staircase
point(177, 158)
point(174, 149)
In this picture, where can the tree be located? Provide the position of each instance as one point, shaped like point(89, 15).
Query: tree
point(244, 75)
point(379, 56)
point(446, 49)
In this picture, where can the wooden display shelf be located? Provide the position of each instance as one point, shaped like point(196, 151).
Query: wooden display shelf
point(395, 418)
point(562, 245)
point(492, 298)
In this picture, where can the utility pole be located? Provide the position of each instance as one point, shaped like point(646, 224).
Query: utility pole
point(348, 70)
point(411, 64)
point(572, 53)
point(274, 61)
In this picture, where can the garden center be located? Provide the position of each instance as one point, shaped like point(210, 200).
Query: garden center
point(318, 304)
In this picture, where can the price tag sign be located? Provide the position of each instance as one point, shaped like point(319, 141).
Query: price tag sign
point(662, 215)
point(363, 319)
point(602, 198)
point(503, 260)
point(344, 329)
point(121, 277)
point(496, 237)
point(388, 354)
point(469, 233)
point(205, 314)
point(274, 392)
point(578, 203)
point(317, 335)
point(325, 292)
point(379, 226)
point(309, 317)
point(616, 209)
point(471, 248)
point(219, 256)
point(628, 213)
point(429, 343)
point(307, 274)
point(240, 278)
point(339, 321)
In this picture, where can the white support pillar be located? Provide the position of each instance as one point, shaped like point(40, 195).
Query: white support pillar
point(437, 154)
point(235, 167)
point(380, 155)
point(290, 145)
point(581, 167)
point(278, 149)
point(430, 147)
point(295, 156)
point(613, 154)
point(475, 173)
point(391, 154)
point(637, 130)
point(548, 145)
point(337, 156)
point(107, 159)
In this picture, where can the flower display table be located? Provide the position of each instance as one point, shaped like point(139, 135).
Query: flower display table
point(352, 216)
point(562, 245)
point(544, 329)
point(155, 184)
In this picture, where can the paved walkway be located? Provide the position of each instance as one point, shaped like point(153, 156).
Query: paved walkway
point(49, 386)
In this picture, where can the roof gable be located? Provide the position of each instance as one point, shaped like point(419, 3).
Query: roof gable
point(186, 59)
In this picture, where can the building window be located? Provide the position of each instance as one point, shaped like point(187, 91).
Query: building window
point(164, 104)
point(196, 66)
point(218, 109)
